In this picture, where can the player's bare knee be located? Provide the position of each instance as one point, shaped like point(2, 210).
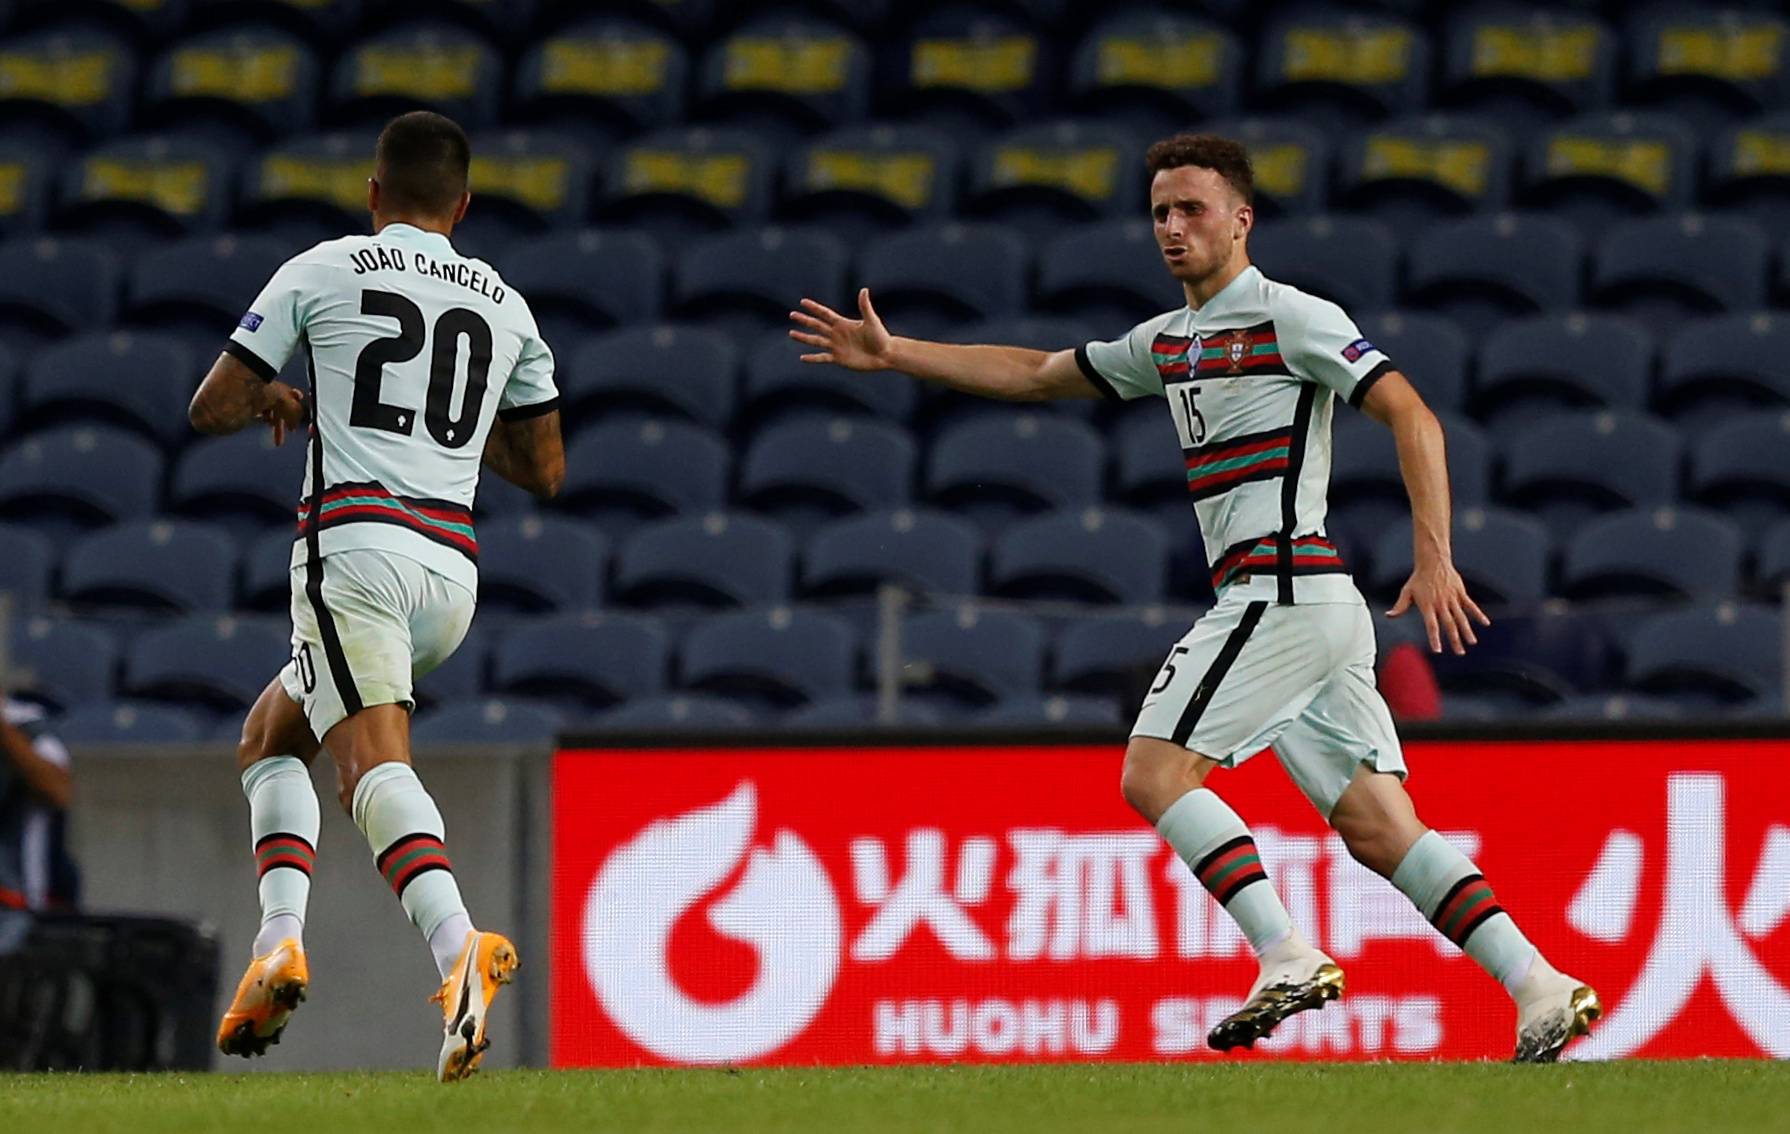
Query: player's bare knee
point(1374, 844)
point(1156, 773)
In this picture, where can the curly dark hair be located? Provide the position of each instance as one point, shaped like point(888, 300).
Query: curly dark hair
point(1225, 157)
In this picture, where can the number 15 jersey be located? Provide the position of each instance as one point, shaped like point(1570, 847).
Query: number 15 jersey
point(412, 350)
point(1252, 378)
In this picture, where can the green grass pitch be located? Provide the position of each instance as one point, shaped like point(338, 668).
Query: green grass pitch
point(1630, 1098)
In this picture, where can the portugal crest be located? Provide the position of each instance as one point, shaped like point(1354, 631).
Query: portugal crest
point(1238, 349)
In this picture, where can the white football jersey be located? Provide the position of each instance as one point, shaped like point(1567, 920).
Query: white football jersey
point(1251, 379)
point(412, 350)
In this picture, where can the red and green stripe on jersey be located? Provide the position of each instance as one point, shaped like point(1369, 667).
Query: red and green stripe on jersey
point(1310, 555)
point(411, 857)
point(1219, 466)
point(1468, 905)
point(1248, 350)
point(1229, 868)
point(441, 521)
point(277, 850)
point(1169, 353)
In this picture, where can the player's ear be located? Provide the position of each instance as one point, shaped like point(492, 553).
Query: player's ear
point(1245, 220)
point(460, 210)
point(372, 194)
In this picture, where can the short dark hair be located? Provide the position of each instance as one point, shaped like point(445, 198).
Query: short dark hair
point(422, 163)
point(1223, 156)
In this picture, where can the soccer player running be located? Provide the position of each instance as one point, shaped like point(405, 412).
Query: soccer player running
point(1252, 370)
point(421, 364)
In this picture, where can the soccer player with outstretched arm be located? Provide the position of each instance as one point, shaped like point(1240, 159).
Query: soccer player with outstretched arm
point(1252, 371)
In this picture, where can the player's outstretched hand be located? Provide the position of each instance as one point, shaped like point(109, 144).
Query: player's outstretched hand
point(1440, 596)
point(287, 411)
point(856, 344)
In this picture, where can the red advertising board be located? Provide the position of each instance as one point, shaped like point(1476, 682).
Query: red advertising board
point(894, 905)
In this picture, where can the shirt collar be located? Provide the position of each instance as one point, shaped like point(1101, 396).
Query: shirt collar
point(1231, 293)
point(410, 234)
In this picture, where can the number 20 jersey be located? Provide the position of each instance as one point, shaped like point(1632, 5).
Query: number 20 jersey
point(411, 351)
point(1252, 378)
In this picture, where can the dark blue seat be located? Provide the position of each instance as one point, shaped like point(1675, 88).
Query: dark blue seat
point(623, 472)
point(266, 583)
point(1109, 274)
point(655, 369)
point(1041, 177)
point(785, 73)
point(1366, 492)
point(1723, 653)
point(435, 67)
point(864, 180)
point(79, 477)
point(1603, 707)
point(541, 563)
point(489, 721)
point(147, 188)
point(1528, 659)
point(1663, 270)
point(1665, 552)
point(1056, 710)
point(51, 286)
point(926, 282)
point(1151, 473)
point(199, 287)
point(1412, 171)
point(238, 85)
point(1503, 557)
point(162, 565)
point(62, 662)
point(593, 659)
point(806, 471)
point(1742, 468)
point(1483, 270)
point(1726, 364)
point(325, 22)
point(745, 283)
point(604, 79)
point(308, 189)
point(137, 381)
point(1531, 366)
point(1773, 571)
point(994, 468)
point(26, 566)
point(243, 480)
point(1746, 173)
point(1115, 653)
point(1706, 66)
point(682, 183)
point(1339, 69)
point(928, 551)
point(779, 383)
point(128, 722)
point(24, 210)
point(969, 69)
point(1600, 168)
point(593, 281)
point(1157, 68)
point(1571, 466)
point(1086, 555)
point(463, 675)
point(965, 658)
point(1527, 66)
point(1348, 260)
point(222, 663)
point(719, 559)
point(79, 85)
point(1291, 158)
point(527, 182)
point(859, 712)
point(1428, 349)
point(775, 657)
point(670, 713)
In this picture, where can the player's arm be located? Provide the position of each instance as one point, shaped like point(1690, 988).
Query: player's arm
point(45, 778)
point(232, 396)
point(1435, 587)
point(1009, 373)
point(528, 452)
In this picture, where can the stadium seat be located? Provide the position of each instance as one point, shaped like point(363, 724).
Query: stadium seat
point(1724, 653)
point(222, 663)
point(654, 369)
point(964, 658)
point(968, 69)
point(31, 189)
point(1115, 653)
point(715, 560)
point(1526, 66)
point(146, 188)
point(1090, 555)
point(1366, 492)
point(807, 471)
point(324, 22)
point(776, 657)
point(595, 660)
point(51, 286)
point(1039, 178)
point(69, 88)
point(1716, 367)
point(1291, 159)
point(1741, 468)
point(745, 283)
point(128, 722)
point(1664, 269)
point(1427, 349)
point(1415, 170)
point(1348, 260)
point(681, 184)
point(1483, 270)
point(243, 481)
point(1052, 711)
point(1748, 173)
point(1503, 557)
point(487, 722)
point(541, 563)
point(1600, 168)
point(592, 281)
point(603, 79)
point(266, 584)
point(238, 86)
point(1157, 68)
point(1603, 707)
point(420, 67)
point(931, 552)
point(136, 381)
point(623, 472)
point(463, 675)
point(1531, 366)
point(159, 565)
point(198, 288)
point(865, 180)
point(1151, 473)
point(992, 469)
point(525, 183)
point(309, 189)
point(1339, 69)
point(649, 716)
point(79, 477)
point(859, 712)
point(1665, 552)
point(1773, 572)
point(779, 383)
point(1708, 67)
point(781, 73)
point(927, 282)
point(26, 566)
point(62, 662)
point(1569, 467)
point(1109, 274)
point(1528, 659)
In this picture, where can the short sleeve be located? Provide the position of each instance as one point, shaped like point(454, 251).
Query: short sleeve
point(1123, 369)
point(1322, 344)
point(530, 392)
point(269, 331)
